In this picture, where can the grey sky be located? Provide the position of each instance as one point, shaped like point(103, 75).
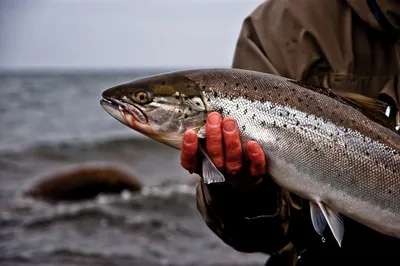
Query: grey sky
point(120, 33)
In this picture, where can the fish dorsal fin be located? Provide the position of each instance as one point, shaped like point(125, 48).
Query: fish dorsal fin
point(376, 110)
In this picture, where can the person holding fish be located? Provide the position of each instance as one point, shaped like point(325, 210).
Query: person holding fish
point(348, 46)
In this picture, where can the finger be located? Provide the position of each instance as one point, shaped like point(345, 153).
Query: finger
point(233, 147)
point(257, 159)
point(189, 151)
point(214, 144)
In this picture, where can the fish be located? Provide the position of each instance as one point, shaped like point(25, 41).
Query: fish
point(340, 151)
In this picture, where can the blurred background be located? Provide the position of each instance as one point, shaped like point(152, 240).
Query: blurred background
point(56, 57)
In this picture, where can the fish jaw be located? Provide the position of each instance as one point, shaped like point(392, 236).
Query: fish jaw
point(129, 119)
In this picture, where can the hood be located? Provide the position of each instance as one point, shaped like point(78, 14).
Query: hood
point(382, 15)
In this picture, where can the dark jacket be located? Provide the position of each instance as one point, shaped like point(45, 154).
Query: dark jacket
point(346, 45)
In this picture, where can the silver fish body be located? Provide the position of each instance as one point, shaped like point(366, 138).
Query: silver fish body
point(319, 146)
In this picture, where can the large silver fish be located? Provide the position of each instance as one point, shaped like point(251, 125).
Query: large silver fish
point(338, 151)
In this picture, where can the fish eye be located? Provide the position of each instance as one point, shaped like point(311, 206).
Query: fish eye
point(141, 97)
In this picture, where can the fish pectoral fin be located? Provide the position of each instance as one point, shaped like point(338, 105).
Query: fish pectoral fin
point(201, 133)
point(210, 172)
point(317, 218)
point(334, 221)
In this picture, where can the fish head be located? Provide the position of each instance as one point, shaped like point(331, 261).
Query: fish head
point(161, 107)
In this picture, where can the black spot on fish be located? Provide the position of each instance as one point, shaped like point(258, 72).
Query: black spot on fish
point(263, 123)
point(279, 95)
point(367, 153)
point(300, 100)
point(204, 87)
point(307, 105)
point(198, 103)
point(244, 127)
point(297, 122)
point(315, 149)
point(177, 97)
point(275, 86)
point(190, 108)
point(220, 110)
point(280, 114)
point(245, 87)
point(390, 192)
point(224, 84)
point(228, 113)
point(186, 115)
point(284, 125)
point(215, 94)
point(255, 88)
point(314, 127)
point(237, 84)
point(277, 138)
point(245, 111)
point(254, 116)
point(237, 106)
point(286, 99)
point(208, 99)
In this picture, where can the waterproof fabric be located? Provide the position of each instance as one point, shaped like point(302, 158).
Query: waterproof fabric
point(344, 45)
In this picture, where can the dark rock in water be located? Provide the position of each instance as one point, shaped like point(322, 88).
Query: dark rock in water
point(83, 183)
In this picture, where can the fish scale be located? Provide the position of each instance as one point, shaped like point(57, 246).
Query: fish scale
point(319, 144)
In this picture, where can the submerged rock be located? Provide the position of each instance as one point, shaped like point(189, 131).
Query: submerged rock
point(84, 182)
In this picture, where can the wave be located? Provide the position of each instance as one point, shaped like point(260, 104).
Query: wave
point(102, 143)
point(115, 209)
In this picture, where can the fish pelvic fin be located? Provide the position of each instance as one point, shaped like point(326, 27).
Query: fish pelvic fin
point(334, 221)
point(317, 218)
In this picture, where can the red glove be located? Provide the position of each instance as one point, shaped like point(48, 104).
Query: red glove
point(225, 151)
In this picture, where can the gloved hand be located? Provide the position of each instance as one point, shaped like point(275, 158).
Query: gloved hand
point(225, 150)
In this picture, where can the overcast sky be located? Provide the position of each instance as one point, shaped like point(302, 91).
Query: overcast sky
point(120, 33)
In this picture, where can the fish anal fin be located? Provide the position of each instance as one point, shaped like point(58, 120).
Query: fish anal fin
point(211, 174)
point(334, 221)
point(317, 217)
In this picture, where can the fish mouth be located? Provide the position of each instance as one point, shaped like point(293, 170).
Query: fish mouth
point(124, 109)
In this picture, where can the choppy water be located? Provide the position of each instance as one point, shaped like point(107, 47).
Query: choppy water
point(51, 121)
